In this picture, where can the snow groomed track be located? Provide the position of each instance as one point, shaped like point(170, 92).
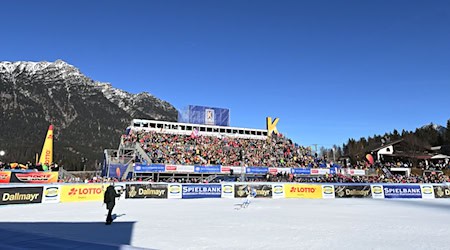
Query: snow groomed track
point(214, 224)
point(165, 216)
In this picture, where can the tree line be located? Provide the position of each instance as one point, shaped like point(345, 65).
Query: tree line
point(414, 141)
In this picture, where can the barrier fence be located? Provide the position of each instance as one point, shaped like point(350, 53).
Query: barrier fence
point(56, 193)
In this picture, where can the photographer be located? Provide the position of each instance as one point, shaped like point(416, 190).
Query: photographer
point(110, 200)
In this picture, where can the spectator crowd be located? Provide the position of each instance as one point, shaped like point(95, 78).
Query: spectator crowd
point(276, 151)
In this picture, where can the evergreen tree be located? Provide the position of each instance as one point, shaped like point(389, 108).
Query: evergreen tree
point(447, 133)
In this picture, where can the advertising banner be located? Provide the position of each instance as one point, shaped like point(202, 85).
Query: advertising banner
point(143, 191)
point(305, 171)
point(205, 115)
point(277, 191)
point(356, 172)
point(207, 169)
point(320, 171)
point(34, 177)
point(227, 190)
point(190, 191)
point(82, 192)
point(51, 194)
point(5, 176)
point(328, 191)
point(402, 191)
point(180, 168)
point(360, 191)
point(238, 170)
point(427, 191)
point(225, 169)
point(209, 116)
point(153, 168)
point(377, 191)
point(174, 191)
point(303, 191)
point(284, 170)
point(116, 170)
point(262, 190)
point(20, 195)
point(441, 191)
point(273, 171)
point(257, 170)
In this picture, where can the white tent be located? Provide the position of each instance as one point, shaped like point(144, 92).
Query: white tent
point(440, 156)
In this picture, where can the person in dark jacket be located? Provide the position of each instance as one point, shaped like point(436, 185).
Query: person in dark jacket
point(110, 200)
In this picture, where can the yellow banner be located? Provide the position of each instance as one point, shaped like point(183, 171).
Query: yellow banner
point(303, 191)
point(47, 149)
point(82, 192)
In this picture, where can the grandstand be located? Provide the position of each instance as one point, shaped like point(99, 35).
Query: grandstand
point(209, 142)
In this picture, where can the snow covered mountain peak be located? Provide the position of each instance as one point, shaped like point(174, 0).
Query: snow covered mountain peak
point(34, 67)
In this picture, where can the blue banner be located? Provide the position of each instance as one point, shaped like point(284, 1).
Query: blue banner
point(191, 191)
point(116, 170)
point(402, 191)
point(257, 170)
point(207, 169)
point(138, 168)
point(333, 170)
point(305, 171)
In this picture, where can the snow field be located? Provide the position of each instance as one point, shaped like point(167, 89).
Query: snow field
point(265, 224)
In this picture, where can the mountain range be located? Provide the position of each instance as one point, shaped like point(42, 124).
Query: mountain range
point(88, 115)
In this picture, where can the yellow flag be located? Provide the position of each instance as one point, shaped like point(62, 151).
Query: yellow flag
point(47, 149)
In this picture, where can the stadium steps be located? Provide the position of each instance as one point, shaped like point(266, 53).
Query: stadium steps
point(141, 153)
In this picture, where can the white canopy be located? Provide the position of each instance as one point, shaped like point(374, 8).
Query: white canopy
point(440, 156)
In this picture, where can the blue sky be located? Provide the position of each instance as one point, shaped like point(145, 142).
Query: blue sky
point(330, 70)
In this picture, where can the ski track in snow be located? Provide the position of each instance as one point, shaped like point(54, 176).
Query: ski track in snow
point(265, 224)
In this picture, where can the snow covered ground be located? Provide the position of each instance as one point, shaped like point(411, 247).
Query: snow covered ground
point(215, 224)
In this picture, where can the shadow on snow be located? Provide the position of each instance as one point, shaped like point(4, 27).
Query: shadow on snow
point(66, 235)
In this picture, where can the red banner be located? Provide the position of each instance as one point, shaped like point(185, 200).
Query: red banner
point(34, 177)
point(5, 176)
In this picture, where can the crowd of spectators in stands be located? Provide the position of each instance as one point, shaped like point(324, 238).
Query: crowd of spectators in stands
point(28, 166)
point(276, 151)
point(437, 177)
point(438, 165)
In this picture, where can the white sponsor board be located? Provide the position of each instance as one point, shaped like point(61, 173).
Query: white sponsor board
point(227, 190)
point(320, 171)
point(427, 191)
point(284, 170)
point(356, 172)
point(51, 194)
point(377, 191)
point(277, 190)
point(328, 192)
point(174, 191)
point(238, 170)
point(180, 168)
